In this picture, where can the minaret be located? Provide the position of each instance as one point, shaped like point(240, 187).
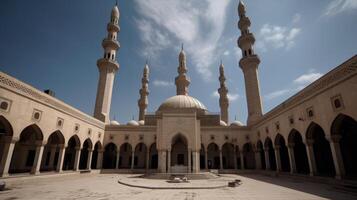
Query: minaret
point(144, 92)
point(107, 66)
point(249, 64)
point(223, 94)
point(182, 81)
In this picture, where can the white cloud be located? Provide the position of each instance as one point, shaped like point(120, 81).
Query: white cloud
point(339, 6)
point(198, 24)
point(277, 37)
point(277, 93)
point(215, 94)
point(307, 78)
point(231, 97)
point(298, 84)
point(226, 53)
point(161, 83)
point(296, 18)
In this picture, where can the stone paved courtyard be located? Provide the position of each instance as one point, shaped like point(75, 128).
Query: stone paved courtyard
point(106, 186)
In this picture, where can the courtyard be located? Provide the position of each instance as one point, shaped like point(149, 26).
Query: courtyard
point(106, 186)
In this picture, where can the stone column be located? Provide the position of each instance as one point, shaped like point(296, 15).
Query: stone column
point(206, 159)
point(52, 156)
point(196, 161)
point(169, 161)
point(220, 159)
point(235, 158)
point(258, 160)
point(242, 160)
point(162, 160)
point(147, 159)
point(8, 147)
point(100, 159)
point(62, 151)
point(117, 159)
point(38, 157)
point(77, 158)
point(337, 156)
point(189, 160)
point(311, 157)
point(89, 160)
point(277, 158)
point(292, 158)
point(132, 159)
point(267, 161)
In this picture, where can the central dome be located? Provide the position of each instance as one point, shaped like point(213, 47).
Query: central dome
point(181, 102)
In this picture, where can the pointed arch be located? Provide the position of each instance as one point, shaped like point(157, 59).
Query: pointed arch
point(50, 156)
point(283, 152)
point(260, 149)
point(125, 157)
point(268, 145)
point(85, 153)
point(248, 156)
point(154, 161)
point(228, 155)
point(301, 160)
point(98, 147)
point(213, 160)
point(5, 127)
point(179, 150)
point(140, 156)
point(322, 150)
point(24, 155)
point(110, 156)
point(344, 128)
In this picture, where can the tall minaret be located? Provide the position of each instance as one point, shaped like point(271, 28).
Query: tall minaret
point(144, 92)
point(182, 81)
point(249, 64)
point(223, 94)
point(107, 66)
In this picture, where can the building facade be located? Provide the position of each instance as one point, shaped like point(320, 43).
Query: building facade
point(313, 132)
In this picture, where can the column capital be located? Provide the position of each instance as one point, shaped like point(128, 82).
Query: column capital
point(78, 148)
point(309, 142)
point(40, 142)
point(333, 138)
point(62, 146)
point(291, 145)
point(277, 147)
point(10, 139)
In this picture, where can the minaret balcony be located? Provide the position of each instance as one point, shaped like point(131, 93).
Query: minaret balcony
point(107, 64)
point(111, 43)
point(249, 61)
point(244, 39)
point(243, 23)
point(112, 27)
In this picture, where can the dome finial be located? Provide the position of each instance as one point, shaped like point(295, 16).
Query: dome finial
point(182, 46)
point(116, 2)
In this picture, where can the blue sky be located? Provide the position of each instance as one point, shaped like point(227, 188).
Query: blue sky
point(55, 44)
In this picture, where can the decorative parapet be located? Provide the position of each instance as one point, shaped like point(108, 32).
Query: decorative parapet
point(12, 84)
point(338, 74)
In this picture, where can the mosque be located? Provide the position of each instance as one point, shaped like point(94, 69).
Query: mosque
point(313, 133)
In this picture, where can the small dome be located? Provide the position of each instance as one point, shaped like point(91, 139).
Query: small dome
point(114, 123)
point(115, 12)
point(222, 123)
point(181, 102)
point(141, 122)
point(132, 123)
point(237, 123)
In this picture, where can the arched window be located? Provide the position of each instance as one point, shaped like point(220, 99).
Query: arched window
point(250, 52)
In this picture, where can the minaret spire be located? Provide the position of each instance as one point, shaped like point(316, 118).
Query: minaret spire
point(182, 81)
point(249, 64)
point(144, 92)
point(223, 94)
point(107, 66)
